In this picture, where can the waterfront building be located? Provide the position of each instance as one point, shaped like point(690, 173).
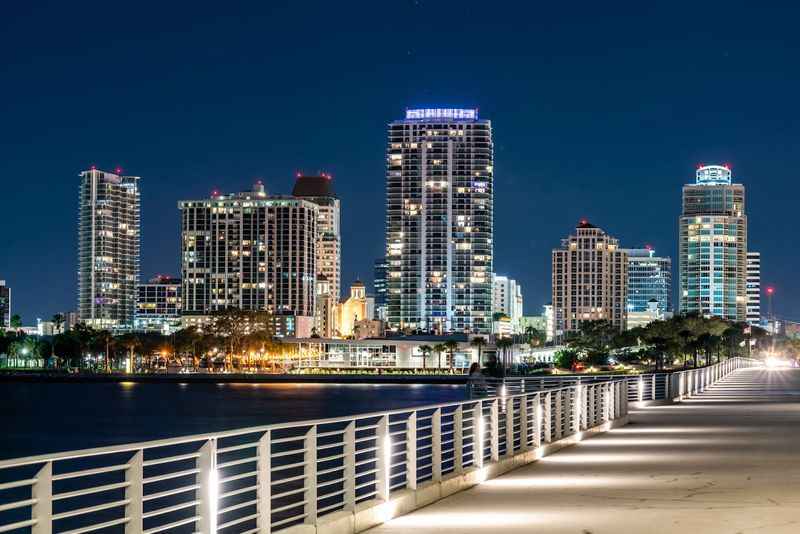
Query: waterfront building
point(108, 248)
point(652, 312)
point(507, 299)
point(713, 246)
point(319, 190)
point(542, 323)
point(5, 305)
point(439, 221)
point(158, 305)
point(590, 280)
point(649, 278)
point(249, 251)
point(351, 310)
point(753, 288)
point(379, 286)
point(324, 307)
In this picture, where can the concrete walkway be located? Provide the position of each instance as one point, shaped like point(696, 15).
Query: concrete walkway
point(727, 461)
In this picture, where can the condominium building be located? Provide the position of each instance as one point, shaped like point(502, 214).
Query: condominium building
point(713, 246)
point(754, 288)
point(439, 222)
point(507, 300)
point(108, 248)
point(249, 251)
point(590, 280)
point(379, 286)
point(319, 190)
point(5, 305)
point(649, 279)
point(158, 305)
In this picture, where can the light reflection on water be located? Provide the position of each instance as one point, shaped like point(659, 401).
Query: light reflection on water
point(49, 417)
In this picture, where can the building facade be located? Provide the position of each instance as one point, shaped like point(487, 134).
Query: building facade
point(649, 279)
point(5, 305)
point(754, 288)
point(351, 310)
point(379, 287)
point(249, 251)
point(590, 280)
point(108, 248)
point(439, 221)
point(158, 305)
point(713, 246)
point(507, 299)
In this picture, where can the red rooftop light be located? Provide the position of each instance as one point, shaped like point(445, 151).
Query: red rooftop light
point(770, 290)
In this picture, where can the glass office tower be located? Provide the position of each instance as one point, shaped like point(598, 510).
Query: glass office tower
point(439, 221)
point(713, 246)
point(649, 278)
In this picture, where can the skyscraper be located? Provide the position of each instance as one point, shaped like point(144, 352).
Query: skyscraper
point(319, 190)
point(713, 246)
point(439, 221)
point(108, 248)
point(649, 278)
point(507, 299)
point(379, 285)
point(5, 305)
point(590, 280)
point(158, 305)
point(754, 288)
point(249, 251)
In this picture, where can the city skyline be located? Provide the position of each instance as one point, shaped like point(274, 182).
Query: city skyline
point(561, 152)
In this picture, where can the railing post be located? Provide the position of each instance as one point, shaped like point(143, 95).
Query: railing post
point(436, 445)
point(537, 420)
point(383, 457)
point(411, 451)
point(591, 415)
point(264, 462)
point(524, 427)
point(310, 466)
point(349, 464)
point(509, 427)
point(42, 491)
point(548, 417)
point(478, 433)
point(458, 440)
point(134, 493)
point(208, 492)
point(495, 431)
point(578, 408)
point(559, 413)
point(641, 388)
point(653, 387)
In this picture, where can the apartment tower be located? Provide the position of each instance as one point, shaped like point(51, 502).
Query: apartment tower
point(754, 288)
point(108, 248)
point(590, 280)
point(439, 221)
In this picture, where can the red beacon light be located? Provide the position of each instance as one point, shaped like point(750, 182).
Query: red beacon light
point(118, 170)
point(770, 290)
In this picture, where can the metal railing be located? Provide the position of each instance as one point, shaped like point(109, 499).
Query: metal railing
point(665, 386)
point(264, 479)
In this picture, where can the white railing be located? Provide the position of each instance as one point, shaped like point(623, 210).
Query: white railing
point(665, 386)
point(269, 478)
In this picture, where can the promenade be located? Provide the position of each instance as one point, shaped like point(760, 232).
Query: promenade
point(726, 461)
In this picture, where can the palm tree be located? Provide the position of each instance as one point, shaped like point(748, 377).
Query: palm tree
point(451, 345)
point(438, 349)
point(479, 342)
point(425, 350)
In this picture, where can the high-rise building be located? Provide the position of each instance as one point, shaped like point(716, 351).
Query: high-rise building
point(249, 251)
point(324, 307)
point(507, 299)
point(108, 248)
point(590, 280)
point(439, 221)
point(5, 305)
point(649, 278)
point(158, 305)
point(713, 246)
point(379, 285)
point(319, 190)
point(754, 288)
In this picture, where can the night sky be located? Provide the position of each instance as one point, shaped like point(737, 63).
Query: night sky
point(600, 110)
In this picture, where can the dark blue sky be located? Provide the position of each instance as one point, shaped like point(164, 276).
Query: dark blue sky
point(599, 110)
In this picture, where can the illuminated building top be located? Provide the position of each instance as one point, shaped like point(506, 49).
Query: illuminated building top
point(442, 113)
point(713, 175)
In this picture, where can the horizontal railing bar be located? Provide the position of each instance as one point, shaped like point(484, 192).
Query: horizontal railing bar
point(288, 453)
point(174, 524)
point(167, 493)
point(330, 470)
point(238, 491)
point(98, 526)
point(161, 511)
point(18, 483)
point(237, 521)
point(287, 466)
point(238, 477)
point(233, 507)
point(90, 509)
point(168, 476)
point(17, 504)
point(237, 447)
point(290, 492)
point(90, 472)
point(231, 463)
point(18, 525)
point(157, 461)
point(89, 491)
point(287, 520)
point(290, 506)
point(287, 480)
